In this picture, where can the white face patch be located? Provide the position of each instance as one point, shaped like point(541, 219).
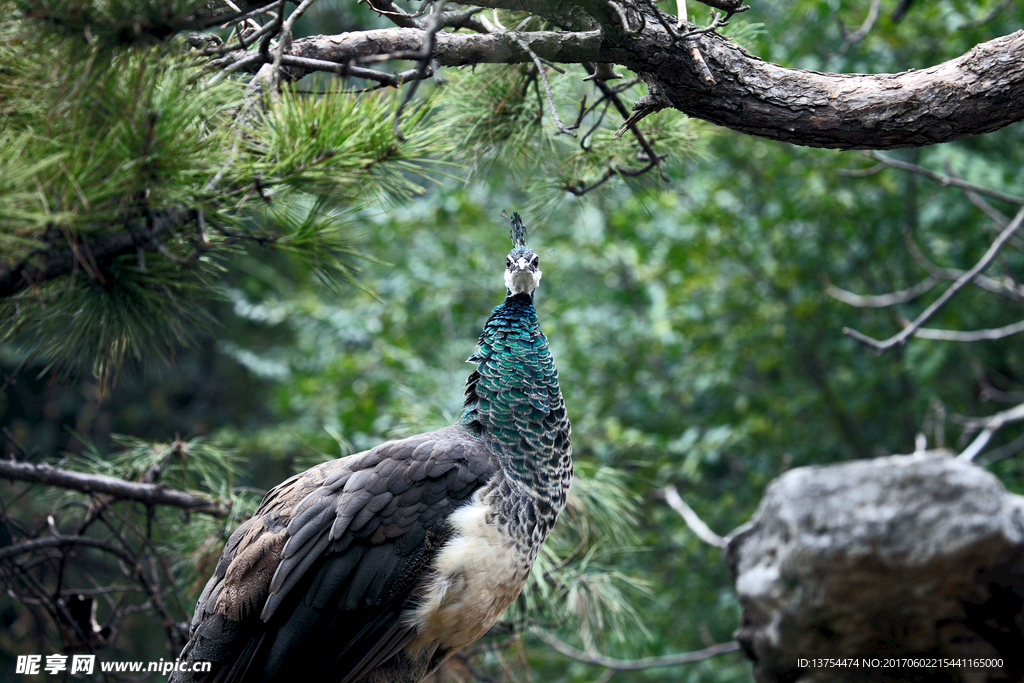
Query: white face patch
point(522, 281)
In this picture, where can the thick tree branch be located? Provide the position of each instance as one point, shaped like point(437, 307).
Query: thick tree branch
point(454, 49)
point(150, 494)
point(978, 92)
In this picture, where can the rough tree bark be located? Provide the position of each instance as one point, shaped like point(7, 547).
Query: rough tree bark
point(707, 77)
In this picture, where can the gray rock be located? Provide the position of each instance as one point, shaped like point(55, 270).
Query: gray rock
point(904, 556)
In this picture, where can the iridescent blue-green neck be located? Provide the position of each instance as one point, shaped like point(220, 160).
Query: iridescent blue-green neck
point(513, 399)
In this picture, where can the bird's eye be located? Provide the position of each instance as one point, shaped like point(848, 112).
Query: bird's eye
point(536, 260)
point(508, 262)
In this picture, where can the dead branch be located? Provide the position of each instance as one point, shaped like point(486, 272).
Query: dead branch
point(881, 300)
point(972, 336)
point(635, 664)
point(963, 281)
point(989, 426)
point(943, 180)
point(981, 91)
point(151, 494)
point(851, 39)
point(1004, 287)
point(695, 523)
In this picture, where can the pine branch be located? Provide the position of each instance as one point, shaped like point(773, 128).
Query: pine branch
point(876, 111)
point(151, 494)
point(57, 261)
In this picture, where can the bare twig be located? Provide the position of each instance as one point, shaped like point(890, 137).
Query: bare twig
point(943, 180)
point(997, 216)
point(34, 544)
point(861, 172)
point(624, 19)
point(547, 89)
point(611, 95)
point(252, 22)
point(151, 494)
point(963, 281)
point(695, 523)
point(1003, 287)
point(851, 39)
point(663, 20)
point(284, 39)
point(972, 336)
point(881, 300)
point(990, 425)
point(399, 16)
point(702, 66)
point(1005, 451)
point(995, 12)
point(717, 22)
point(635, 664)
point(989, 391)
point(730, 7)
point(243, 41)
point(265, 9)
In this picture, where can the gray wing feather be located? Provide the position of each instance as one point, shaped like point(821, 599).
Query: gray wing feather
point(354, 533)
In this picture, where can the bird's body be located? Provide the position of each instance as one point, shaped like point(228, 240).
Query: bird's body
point(377, 567)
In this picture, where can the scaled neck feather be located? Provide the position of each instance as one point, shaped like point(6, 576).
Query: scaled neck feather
point(512, 397)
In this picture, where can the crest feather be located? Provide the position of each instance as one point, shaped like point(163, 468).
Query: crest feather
point(518, 232)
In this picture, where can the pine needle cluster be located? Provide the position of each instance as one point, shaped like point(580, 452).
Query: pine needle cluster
point(130, 179)
point(501, 114)
point(574, 589)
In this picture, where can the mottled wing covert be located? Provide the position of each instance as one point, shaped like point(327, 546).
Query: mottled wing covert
point(318, 578)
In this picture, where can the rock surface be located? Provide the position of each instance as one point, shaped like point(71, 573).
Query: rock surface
point(904, 556)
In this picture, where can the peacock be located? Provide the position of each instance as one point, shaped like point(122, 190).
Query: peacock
point(379, 566)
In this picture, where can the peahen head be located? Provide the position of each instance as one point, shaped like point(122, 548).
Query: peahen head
point(522, 267)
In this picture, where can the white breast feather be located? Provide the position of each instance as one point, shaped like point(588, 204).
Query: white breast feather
point(477, 574)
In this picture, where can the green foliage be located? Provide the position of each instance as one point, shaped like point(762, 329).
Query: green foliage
point(192, 544)
point(131, 316)
point(106, 141)
point(346, 146)
point(500, 114)
point(492, 112)
point(133, 130)
point(574, 586)
point(113, 23)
